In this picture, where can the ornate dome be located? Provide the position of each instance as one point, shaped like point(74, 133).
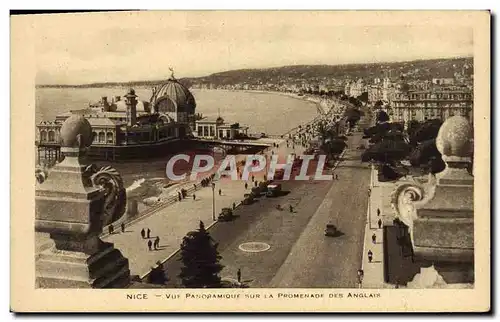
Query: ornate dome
point(177, 93)
point(454, 138)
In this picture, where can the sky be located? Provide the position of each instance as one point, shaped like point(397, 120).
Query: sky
point(99, 47)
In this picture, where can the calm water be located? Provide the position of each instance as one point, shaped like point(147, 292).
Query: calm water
point(262, 112)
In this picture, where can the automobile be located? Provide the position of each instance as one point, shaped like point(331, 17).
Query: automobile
point(248, 199)
point(273, 190)
point(226, 214)
point(331, 230)
point(256, 191)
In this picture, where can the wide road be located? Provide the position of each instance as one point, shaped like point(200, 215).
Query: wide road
point(262, 222)
point(320, 261)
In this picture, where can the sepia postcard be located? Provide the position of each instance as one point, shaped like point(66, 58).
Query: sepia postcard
point(250, 161)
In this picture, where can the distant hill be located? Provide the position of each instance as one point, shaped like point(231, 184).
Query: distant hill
point(417, 69)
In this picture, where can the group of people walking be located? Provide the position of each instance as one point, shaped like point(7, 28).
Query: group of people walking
point(111, 228)
point(374, 236)
point(205, 182)
point(152, 245)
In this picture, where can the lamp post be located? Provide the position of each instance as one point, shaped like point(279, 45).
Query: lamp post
point(213, 201)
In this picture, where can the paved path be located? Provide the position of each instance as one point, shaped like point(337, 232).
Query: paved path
point(319, 261)
point(374, 270)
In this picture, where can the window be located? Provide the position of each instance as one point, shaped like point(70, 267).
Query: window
point(94, 137)
point(101, 137)
point(43, 136)
point(52, 136)
point(200, 130)
point(109, 137)
point(212, 131)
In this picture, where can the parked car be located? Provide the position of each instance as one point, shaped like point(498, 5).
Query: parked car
point(226, 214)
point(256, 191)
point(331, 230)
point(248, 199)
point(273, 190)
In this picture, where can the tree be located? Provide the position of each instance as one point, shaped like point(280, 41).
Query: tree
point(386, 151)
point(412, 127)
point(426, 131)
point(334, 146)
point(426, 155)
point(352, 116)
point(354, 101)
point(363, 97)
point(201, 260)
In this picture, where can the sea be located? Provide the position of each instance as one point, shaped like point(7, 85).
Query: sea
point(270, 113)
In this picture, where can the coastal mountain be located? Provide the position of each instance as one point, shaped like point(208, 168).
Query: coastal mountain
point(417, 69)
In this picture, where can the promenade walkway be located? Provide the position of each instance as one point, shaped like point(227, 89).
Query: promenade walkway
point(172, 223)
point(379, 200)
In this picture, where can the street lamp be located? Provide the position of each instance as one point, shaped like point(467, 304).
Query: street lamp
point(213, 201)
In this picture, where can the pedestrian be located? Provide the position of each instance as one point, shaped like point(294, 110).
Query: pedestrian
point(220, 192)
point(379, 223)
point(194, 196)
point(150, 244)
point(110, 229)
point(370, 256)
point(238, 274)
point(149, 233)
point(374, 238)
point(291, 208)
point(337, 176)
point(234, 205)
point(194, 186)
point(179, 195)
point(143, 233)
point(253, 178)
point(246, 185)
point(378, 212)
point(123, 227)
point(157, 242)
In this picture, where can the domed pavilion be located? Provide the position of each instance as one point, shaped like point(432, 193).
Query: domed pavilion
point(174, 100)
point(128, 127)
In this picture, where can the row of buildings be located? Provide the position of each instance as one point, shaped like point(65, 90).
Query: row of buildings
point(403, 98)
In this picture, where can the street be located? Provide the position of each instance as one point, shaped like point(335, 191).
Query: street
point(299, 254)
point(320, 261)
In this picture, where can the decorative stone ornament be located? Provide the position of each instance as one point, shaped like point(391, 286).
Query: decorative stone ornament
point(73, 202)
point(440, 213)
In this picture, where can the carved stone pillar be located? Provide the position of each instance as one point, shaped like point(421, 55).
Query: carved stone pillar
point(440, 213)
point(71, 202)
